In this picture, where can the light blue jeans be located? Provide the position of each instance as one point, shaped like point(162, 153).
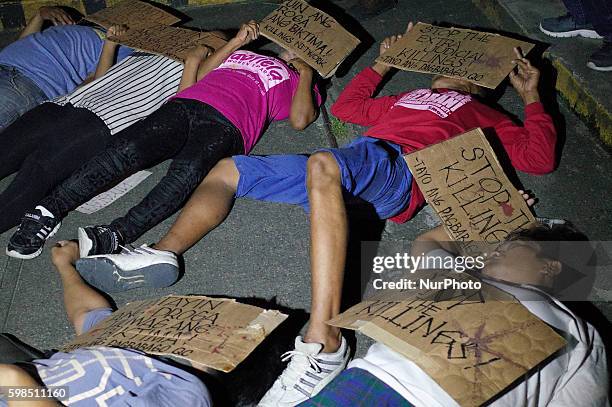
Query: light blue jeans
point(18, 94)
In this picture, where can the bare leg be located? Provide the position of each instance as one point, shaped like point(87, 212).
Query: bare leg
point(329, 236)
point(209, 205)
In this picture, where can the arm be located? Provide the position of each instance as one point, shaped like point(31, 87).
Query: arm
point(54, 14)
point(356, 104)
point(192, 63)
point(531, 147)
point(303, 109)
point(585, 382)
point(109, 51)
point(90, 78)
point(79, 298)
point(248, 32)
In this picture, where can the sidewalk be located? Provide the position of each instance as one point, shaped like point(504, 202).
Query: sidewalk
point(262, 249)
point(586, 91)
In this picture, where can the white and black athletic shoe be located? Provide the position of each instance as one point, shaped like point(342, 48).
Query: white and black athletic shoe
point(601, 60)
point(566, 27)
point(29, 239)
point(308, 371)
point(94, 240)
point(141, 267)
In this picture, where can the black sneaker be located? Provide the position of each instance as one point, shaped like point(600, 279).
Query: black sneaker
point(601, 60)
point(29, 239)
point(95, 240)
point(565, 27)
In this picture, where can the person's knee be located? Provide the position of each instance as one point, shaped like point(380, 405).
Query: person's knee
point(323, 170)
point(224, 173)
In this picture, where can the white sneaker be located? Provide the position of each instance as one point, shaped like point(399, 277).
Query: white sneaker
point(141, 267)
point(308, 371)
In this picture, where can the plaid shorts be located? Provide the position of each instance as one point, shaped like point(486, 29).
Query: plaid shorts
point(357, 387)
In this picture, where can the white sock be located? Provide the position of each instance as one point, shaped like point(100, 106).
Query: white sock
point(44, 211)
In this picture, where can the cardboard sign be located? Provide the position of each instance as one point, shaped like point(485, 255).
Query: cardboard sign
point(479, 57)
point(473, 343)
point(314, 36)
point(133, 13)
point(168, 41)
point(204, 332)
point(464, 183)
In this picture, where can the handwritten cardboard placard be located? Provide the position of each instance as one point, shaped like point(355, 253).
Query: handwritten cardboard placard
point(203, 332)
point(479, 57)
point(472, 343)
point(316, 37)
point(133, 13)
point(464, 183)
point(172, 42)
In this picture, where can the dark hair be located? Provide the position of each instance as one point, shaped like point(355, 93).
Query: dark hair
point(550, 235)
point(554, 232)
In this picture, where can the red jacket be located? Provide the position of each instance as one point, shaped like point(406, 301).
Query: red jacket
point(419, 118)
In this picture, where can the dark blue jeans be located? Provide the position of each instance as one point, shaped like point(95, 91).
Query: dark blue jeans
point(195, 135)
point(18, 94)
point(596, 12)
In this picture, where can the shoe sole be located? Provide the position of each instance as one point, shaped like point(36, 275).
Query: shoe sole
point(17, 255)
point(574, 33)
point(85, 243)
point(103, 274)
point(599, 68)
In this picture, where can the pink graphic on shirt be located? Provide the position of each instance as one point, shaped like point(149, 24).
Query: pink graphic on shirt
point(442, 104)
point(269, 70)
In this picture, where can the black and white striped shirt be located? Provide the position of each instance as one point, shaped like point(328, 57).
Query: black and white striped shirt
point(130, 91)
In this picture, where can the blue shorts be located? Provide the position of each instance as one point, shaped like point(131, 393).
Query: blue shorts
point(374, 176)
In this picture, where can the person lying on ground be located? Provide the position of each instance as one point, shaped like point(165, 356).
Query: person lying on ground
point(54, 139)
point(44, 65)
point(101, 375)
point(526, 266)
point(368, 173)
point(235, 96)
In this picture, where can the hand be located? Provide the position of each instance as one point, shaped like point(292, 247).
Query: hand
point(525, 79)
point(300, 66)
point(116, 31)
point(248, 32)
point(383, 69)
point(197, 53)
point(65, 252)
point(56, 15)
point(389, 41)
point(528, 199)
